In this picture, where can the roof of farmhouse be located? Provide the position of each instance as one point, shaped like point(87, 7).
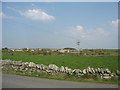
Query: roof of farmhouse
point(69, 49)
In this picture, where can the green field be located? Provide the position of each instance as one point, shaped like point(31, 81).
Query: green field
point(78, 62)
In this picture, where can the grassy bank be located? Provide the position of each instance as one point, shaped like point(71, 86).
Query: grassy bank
point(66, 77)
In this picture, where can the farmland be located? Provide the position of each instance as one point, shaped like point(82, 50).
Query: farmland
point(80, 62)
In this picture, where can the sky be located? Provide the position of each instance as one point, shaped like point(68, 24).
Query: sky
point(59, 24)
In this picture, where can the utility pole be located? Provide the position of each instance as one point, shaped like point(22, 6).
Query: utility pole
point(78, 43)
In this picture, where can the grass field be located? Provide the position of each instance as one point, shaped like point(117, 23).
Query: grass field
point(81, 62)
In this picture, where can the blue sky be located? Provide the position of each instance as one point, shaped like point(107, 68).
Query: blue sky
point(60, 24)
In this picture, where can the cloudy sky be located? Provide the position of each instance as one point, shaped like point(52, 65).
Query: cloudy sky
point(60, 24)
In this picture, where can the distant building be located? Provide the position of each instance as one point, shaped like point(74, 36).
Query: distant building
point(12, 49)
point(68, 50)
point(18, 50)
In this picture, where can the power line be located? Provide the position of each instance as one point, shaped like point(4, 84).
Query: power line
point(78, 43)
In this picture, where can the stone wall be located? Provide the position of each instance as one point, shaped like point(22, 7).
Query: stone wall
point(31, 67)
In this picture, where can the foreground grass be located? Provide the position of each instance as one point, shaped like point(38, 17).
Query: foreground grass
point(79, 62)
point(65, 77)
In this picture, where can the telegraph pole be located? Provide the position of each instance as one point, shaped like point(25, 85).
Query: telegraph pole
point(78, 43)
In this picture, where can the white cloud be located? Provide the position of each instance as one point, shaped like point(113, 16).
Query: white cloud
point(79, 27)
point(2, 15)
point(115, 22)
point(90, 38)
point(95, 38)
point(79, 32)
point(101, 31)
point(36, 14)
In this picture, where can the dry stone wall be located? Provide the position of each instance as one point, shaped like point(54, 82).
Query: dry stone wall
point(31, 67)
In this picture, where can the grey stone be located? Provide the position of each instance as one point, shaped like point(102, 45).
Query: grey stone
point(118, 72)
point(84, 71)
point(62, 69)
point(31, 64)
point(106, 76)
point(108, 71)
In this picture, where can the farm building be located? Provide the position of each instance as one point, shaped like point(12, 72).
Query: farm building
point(68, 50)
